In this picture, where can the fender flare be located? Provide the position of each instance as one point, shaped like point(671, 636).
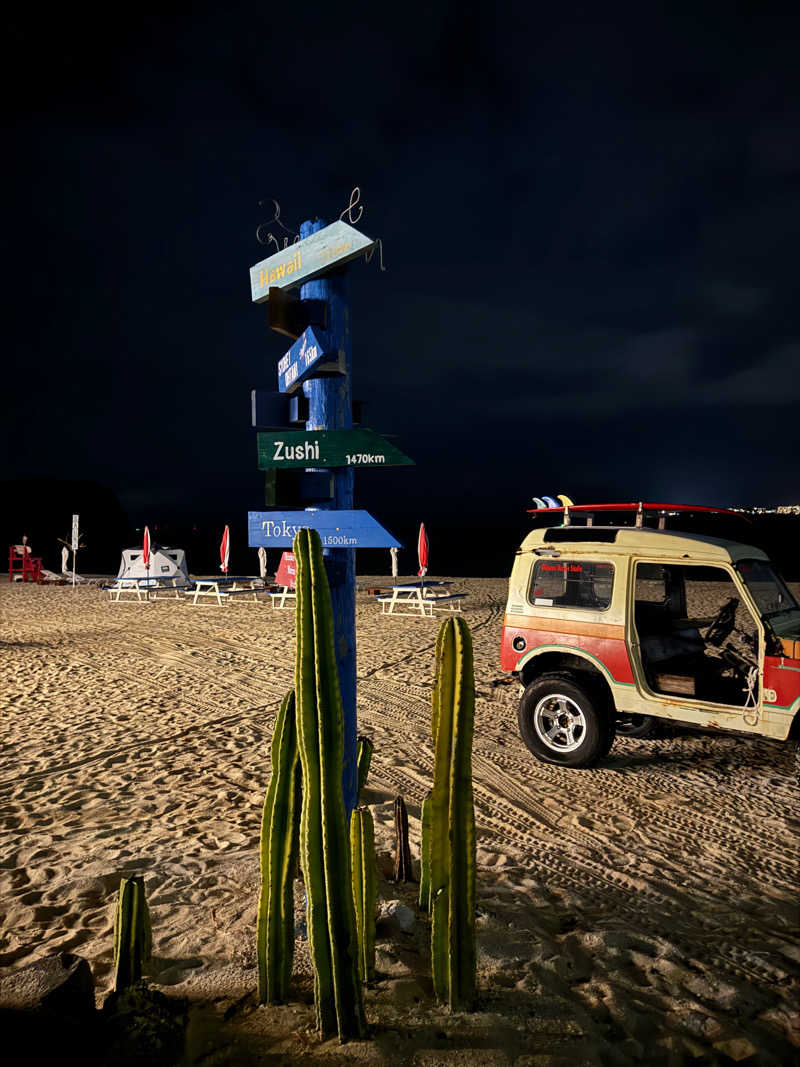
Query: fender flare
point(595, 662)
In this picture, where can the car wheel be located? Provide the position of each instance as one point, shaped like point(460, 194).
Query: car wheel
point(637, 725)
point(610, 724)
point(562, 723)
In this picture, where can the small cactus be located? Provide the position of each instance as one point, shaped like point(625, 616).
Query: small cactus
point(364, 752)
point(280, 842)
point(132, 933)
point(365, 889)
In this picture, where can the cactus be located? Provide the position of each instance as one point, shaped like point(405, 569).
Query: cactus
point(425, 854)
point(425, 811)
point(365, 888)
point(452, 820)
point(280, 829)
point(402, 861)
point(364, 758)
point(324, 838)
point(132, 934)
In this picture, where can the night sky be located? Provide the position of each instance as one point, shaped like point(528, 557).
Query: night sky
point(590, 222)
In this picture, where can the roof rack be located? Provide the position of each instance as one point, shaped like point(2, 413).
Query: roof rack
point(639, 508)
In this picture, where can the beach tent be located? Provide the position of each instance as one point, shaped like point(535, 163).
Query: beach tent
point(165, 562)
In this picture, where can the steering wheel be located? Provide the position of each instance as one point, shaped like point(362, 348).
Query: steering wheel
point(723, 623)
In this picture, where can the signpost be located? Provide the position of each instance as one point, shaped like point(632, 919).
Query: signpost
point(337, 529)
point(328, 448)
point(320, 250)
point(317, 369)
point(75, 543)
point(310, 352)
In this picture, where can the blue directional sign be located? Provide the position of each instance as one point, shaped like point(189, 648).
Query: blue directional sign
point(323, 251)
point(310, 354)
point(337, 529)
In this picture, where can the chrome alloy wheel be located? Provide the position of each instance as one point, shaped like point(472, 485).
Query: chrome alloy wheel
point(559, 722)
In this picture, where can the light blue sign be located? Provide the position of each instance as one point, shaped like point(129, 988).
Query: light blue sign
point(320, 252)
point(308, 355)
point(337, 529)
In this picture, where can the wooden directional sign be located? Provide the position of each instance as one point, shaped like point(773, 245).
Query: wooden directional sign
point(310, 354)
point(337, 529)
point(328, 448)
point(323, 251)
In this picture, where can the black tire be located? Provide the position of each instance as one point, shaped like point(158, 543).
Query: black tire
point(561, 722)
point(637, 725)
point(610, 724)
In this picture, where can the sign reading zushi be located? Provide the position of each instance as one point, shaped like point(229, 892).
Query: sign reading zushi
point(328, 448)
point(327, 249)
point(337, 529)
point(310, 354)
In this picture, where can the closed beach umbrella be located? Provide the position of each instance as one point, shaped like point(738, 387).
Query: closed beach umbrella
point(225, 550)
point(422, 551)
point(262, 561)
point(394, 552)
point(146, 548)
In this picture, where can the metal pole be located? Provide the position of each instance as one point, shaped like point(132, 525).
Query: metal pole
point(330, 408)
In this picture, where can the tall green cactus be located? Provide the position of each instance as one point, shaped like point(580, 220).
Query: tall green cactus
point(365, 888)
point(324, 838)
point(426, 831)
point(452, 820)
point(364, 752)
point(133, 939)
point(280, 842)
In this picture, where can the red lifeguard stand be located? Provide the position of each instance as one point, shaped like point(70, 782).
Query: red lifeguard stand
point(21, 562)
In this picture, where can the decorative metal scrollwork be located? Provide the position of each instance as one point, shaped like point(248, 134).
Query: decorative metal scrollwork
point(371, 252)
point(355, 196)
point(263, 236)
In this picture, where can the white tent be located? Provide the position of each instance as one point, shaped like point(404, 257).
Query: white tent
point(165, 562)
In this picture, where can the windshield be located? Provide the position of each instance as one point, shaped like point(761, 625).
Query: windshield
point(772, 598)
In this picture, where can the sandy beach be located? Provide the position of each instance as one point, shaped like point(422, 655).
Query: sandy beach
point(641, 912)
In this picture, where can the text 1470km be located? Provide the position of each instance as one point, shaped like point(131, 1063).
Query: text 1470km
point(353, 459)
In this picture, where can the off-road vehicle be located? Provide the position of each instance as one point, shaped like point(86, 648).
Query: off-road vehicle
point(611, 628)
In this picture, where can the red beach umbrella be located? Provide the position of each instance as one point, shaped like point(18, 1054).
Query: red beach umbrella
point(225, 550)
point(422, 551)
point(146, 548)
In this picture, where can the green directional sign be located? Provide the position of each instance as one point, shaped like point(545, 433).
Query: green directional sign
point(327, 448)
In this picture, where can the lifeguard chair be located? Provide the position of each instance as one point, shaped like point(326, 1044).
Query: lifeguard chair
point(23, 564)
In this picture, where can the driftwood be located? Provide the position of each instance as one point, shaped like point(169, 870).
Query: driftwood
point(403, 871)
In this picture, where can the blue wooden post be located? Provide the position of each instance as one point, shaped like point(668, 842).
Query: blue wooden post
point(330, 408)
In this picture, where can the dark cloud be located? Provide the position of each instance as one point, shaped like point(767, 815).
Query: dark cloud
point(590, 226)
